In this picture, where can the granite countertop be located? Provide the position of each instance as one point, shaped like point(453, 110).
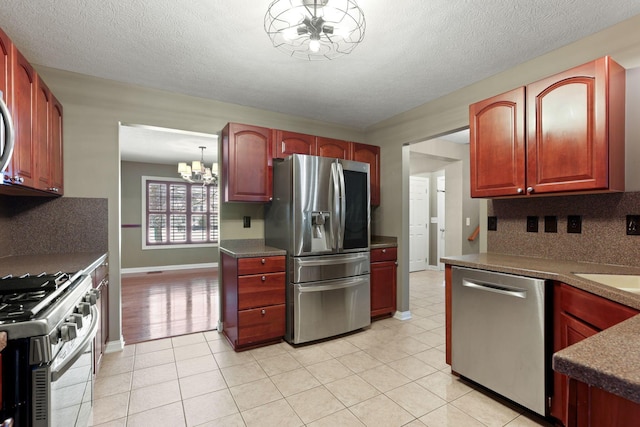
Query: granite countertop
point(50, 263)
point(610, 359)
point(379, 242)
point(247, 248)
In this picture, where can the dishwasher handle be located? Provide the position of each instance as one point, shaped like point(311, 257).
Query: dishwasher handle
point(492, 287)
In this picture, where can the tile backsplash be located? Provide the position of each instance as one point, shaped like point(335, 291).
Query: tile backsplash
point(602, 239)
point(36, 225)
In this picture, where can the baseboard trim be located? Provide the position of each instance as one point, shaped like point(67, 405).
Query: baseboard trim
point(167, 268)
point(114, 346)
point(402, 315)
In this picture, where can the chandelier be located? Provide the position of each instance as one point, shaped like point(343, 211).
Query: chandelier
point(197, 173)
point(315, 29)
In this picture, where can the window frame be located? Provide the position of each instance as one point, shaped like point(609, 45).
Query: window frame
point(145, 225)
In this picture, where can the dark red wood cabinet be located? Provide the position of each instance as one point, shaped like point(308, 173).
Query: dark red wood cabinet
point(246, 163)
point(579, 315)
point(36, 167)
point(572, 138)
point(253, 300)
point(334, 148)
point(370, 154)
point(286, 143)
point(384, 267)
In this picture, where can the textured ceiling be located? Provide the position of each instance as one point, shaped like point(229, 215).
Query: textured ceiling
point(413, 51)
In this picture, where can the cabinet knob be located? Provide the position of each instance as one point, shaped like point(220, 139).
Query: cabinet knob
point(263, 260)
point(264, 278)
point(519, 190)
point(263, 311)
point(18, 179)
point(384, 251)
point(529, 189)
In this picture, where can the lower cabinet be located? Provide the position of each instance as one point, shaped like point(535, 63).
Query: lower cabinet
point(253, 300)
point(579, 315)
point(383, 281)
point(100, 279)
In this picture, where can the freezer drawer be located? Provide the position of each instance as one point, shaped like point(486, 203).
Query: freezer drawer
point(323, 309)
point(327, 267)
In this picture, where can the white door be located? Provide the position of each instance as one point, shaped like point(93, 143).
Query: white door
point(441, 214)
point(418, 223)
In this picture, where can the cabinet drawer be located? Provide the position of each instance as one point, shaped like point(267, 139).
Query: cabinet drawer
point(384, 254)
point(260, 289)
point(261, 324)
point(592, 309)
point(261, 265)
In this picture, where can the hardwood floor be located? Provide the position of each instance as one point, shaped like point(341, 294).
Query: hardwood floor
point(167, 304)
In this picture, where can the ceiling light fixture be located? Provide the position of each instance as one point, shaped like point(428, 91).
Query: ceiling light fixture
point(315, 29)
point(197, 173)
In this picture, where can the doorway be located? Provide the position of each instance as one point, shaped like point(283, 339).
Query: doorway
point(169, 233)
point(441, 203)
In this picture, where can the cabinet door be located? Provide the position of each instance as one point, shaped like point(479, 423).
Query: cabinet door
point(5, 70)
point(56, 168)
point(370, 154)
point(497, 145)
point(572, 144)
point(22, 168)
point(42, 135)
point(286, 143)
point(383, 288)
point(334, 148)
point(246, 163)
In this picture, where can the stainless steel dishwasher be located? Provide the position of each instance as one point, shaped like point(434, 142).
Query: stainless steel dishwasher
point(499, 334)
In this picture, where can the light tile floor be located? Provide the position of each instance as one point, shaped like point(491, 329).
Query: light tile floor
point(391, 374)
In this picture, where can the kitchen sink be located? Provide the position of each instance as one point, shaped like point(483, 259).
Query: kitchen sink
point(625, 282)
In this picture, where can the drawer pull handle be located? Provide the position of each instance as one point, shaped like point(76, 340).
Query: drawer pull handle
point(263, 312)
point(264, 278)
point(263, 260)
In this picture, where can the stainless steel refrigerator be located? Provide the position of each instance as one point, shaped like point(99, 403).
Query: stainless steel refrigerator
point(320, 213)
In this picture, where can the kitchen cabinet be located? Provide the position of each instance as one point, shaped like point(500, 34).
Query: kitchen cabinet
point(383, 281)
point(370, 154)
point(286, 143)
point(578, 315)
point(334, 148)
point(571, 141)
point(36, 165)
point(246, 163)
point(100, 279)
point(253, 300)
point(21, 169)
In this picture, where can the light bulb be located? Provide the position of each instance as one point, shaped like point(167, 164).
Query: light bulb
point(314, 45)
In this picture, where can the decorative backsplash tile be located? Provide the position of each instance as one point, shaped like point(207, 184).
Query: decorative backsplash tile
point(603, 237)
point(35, 225)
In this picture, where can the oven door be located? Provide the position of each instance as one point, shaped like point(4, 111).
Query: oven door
point(63, 390)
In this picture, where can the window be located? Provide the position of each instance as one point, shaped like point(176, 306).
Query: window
point(180, 213)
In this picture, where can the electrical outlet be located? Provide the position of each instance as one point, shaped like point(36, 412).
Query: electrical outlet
point(492, 223)
point(574, 224)
point(551, 224)
point(532, 224)
point(246, 221)
point(633, 225)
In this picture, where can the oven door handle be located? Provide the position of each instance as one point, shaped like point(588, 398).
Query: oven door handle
point(79, 350)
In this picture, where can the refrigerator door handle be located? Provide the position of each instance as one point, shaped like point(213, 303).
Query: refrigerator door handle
point(343, 201)
point(334, 202)
point(7, 135)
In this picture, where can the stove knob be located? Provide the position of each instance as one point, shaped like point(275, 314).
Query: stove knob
point(84, 308)
point(75, 318)
point(68, 331)
point(91, 298)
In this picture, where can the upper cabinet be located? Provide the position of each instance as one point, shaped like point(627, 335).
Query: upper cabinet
point(572, 138)
point(370, 154)
point(246, 163)
point(35, 167)
point(286, 143)
point(335, 148)
point(248, 152)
